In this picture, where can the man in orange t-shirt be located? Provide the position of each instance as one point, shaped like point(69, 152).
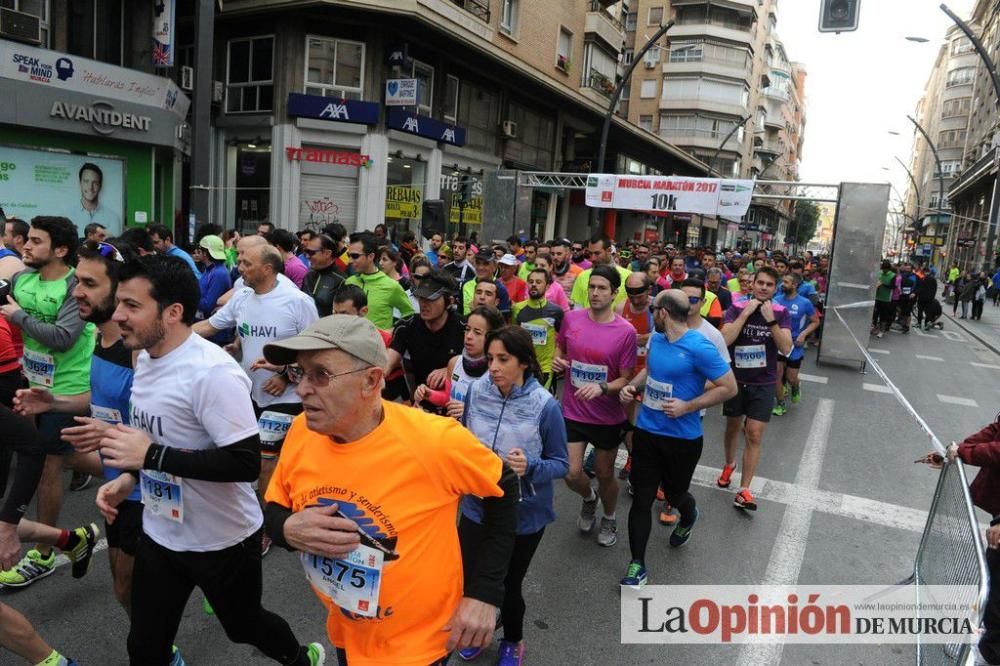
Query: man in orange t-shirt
point(368, 490)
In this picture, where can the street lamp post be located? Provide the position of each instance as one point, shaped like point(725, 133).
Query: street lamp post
point(598, 166)
point(995, 78)
point(715, 156)
point(937, 161)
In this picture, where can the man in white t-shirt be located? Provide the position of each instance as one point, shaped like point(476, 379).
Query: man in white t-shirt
point(195, 445)
point(265, 310)
point(695, 289)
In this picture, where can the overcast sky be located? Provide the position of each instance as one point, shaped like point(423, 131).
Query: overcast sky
point(863, 84)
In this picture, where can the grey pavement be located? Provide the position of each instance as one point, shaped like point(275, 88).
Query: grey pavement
point(859, 523)
point(986, 330)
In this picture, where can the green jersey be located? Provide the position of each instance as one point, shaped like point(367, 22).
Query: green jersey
point(886, 282)
point(62, 368)
point(542, 320)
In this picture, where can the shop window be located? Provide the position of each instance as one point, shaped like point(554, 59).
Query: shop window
point(335, 67)
point(404, 194)
point(424, 74)
point(249, 75)
point(253, 182)
point(39, 8)
point(450, 112)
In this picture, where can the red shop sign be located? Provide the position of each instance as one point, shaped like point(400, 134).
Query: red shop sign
point(327, 156)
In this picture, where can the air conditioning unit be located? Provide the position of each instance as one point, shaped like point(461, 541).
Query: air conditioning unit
point(187, 78)
point(509, 129)
point(218, 92)
point(20, 27)
point(650, 64)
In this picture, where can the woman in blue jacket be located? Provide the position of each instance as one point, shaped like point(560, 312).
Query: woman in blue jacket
point(510, 412)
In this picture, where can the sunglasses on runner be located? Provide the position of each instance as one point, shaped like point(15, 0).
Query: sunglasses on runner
point(694, 299)
point(108, 251)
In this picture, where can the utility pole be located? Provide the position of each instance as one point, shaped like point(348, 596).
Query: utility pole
point(598, 165)
point(201, 118)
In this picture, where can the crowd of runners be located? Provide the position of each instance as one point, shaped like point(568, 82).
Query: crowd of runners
point(398, 415)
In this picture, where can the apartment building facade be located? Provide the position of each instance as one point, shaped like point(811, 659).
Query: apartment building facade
point(720, 86)
point(973, 194)
point(943, 111)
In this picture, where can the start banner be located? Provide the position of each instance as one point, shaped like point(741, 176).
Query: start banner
point(670, 194)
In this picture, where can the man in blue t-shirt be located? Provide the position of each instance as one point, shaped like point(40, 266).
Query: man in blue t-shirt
point(668, 439)
point(805, 320)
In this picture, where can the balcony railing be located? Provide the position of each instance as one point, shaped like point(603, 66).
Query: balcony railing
point(478, 8)
point(601, 83)
point(596, 6)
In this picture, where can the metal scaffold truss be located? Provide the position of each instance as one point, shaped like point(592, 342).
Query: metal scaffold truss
point(569, 181)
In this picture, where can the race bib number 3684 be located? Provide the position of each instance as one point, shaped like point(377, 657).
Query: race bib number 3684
point(352, 583)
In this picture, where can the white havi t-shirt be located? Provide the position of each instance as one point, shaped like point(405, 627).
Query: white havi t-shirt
point(261, 319)
point(197, 397)
point(715, 337)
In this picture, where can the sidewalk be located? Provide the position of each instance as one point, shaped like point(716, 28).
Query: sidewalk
point(986, 330)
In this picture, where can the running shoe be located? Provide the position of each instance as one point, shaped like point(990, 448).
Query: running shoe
point(510, 654)
point(667, 516)
point(588, 515)
point(779, 408)
point(83, 552)
point(79, 481)
point(177, 659)
point(681, 534)
point(32, 567)
point(796, 395)
point(635, 575)
point(744, 500)
point(469, 653)
point(207, 607)
point(588, 463)
point(726, 477)
point(623, 472)
point(608, 536)
point(316, 654)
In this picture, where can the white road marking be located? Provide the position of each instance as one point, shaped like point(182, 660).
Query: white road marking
point(816, 379)
point(954, 336)
point(981, 365)
point(790, 543)
point(876, 388)
point(878, 351)
point(931, 358)
point(955, 400)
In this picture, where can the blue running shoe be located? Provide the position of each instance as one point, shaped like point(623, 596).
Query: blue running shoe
point(682, 533)
point(511, 654)
point(470, 653)
point(635, 575)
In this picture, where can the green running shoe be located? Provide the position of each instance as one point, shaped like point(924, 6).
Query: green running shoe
point(780, 409)
point(635, 575)
point(316, 654)
point(796, 395)
point(32, 567)
point(207, 607)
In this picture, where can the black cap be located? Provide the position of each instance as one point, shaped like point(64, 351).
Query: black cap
point(435, 285)
point(486, 254)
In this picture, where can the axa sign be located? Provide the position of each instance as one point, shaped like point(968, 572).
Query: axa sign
point(101, 116)
point(425, 126)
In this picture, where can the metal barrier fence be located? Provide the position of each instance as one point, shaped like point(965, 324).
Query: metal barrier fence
point(951, 552)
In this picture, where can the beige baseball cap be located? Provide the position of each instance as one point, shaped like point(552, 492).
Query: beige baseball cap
point(354, 335)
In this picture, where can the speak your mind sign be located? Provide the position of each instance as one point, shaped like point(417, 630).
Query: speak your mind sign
point(670, 194)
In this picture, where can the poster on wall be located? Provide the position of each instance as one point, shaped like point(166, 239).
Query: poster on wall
point(81, 187)
point(164, 12)
point(450, 192)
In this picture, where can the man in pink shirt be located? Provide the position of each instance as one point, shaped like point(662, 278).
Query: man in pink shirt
point(285, 241)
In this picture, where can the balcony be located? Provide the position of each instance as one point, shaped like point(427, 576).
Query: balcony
point(771, 146)
point(695, 138)
point(733, 32)
point(710, 66)
point(605, 27)
point(702, 104)
point(478, 8)
point(602, 83)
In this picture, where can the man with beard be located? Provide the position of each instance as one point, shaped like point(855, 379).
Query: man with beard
point(542, 320)
point(486, 269)
point(460, 268)
point(265, 310)
point(580, 255)
point(600, 254)
point(564, 271)
point(58, 345)
point(201, 520)
point(111, 370)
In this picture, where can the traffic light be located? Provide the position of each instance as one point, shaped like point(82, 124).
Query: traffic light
point(465, 189)
point(839, 15)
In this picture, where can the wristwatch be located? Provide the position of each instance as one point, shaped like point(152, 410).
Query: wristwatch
point(604, 387)
point(773, 322)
